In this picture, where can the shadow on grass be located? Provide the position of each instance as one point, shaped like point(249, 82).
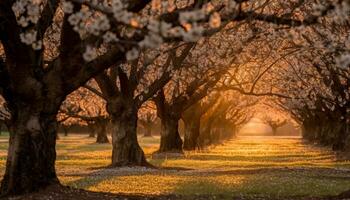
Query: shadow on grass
point(108, 173)
point(265, 186)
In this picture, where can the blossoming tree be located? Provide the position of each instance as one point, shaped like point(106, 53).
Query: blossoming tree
point(52, 47)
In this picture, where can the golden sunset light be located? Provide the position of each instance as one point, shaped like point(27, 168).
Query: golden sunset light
point(174, 99)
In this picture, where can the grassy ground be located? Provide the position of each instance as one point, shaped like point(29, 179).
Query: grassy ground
point(247, 167)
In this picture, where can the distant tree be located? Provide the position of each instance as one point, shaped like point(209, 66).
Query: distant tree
point(223, 120)
point(83, 107)
point(147, 116)
point(181, 94)
point(274, 123)
point(192, 120)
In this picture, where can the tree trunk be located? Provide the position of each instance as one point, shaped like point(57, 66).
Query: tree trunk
point(205, 137)
point(148, 131)
point(100, 128)
point(31, 154)
point(126, 149)
point(170, 140)
point(308, 131)
point(65, 130)
point(91, 127)
point(341, 139)
point(192, 129)
point(92, 134)
point(102, 137)
point(274, 131)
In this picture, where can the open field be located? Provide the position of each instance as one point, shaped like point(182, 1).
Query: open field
point(268, 167)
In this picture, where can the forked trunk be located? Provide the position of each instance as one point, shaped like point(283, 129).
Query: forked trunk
point(31, 154)
point(126, 149)
point(170, 141)
point(192, 129)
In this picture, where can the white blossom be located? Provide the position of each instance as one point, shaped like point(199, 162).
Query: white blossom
point(176, 31)
point(33, 18)
point(110, 37)
point(74, 19)
point(151, 41)
point(231, 5)
point(132, 54)
point(19, 7)
point(33, 9)
point(164, 28)
point(343, 61)
point(153, 26)
point(27, 11)
point(23, 21)
point(90, 53)
point(123, 16)
point(117, 6)
point(194, 34)
point(191, 16)
point(28, 37)
point(67, 7)
point(37, 45)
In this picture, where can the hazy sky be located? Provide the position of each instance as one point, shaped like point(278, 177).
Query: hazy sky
point(255, 127)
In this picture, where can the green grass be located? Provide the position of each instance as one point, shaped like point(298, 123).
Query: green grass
point(247, 166)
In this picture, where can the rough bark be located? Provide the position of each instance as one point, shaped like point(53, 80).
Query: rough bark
point(126, 149)
point(170, 141)
point(31, 154)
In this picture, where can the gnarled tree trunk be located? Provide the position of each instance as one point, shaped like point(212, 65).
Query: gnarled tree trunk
point(31, 154)
point(170, 140)
point(126, 149)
